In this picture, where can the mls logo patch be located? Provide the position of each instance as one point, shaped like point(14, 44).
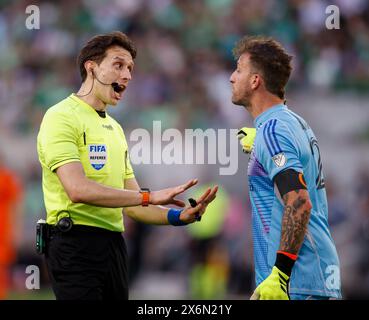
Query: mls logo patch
point(279, 159)
point(97, 155)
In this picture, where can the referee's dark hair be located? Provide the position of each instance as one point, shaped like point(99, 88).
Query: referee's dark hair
point(95, 49)
point(270, 59)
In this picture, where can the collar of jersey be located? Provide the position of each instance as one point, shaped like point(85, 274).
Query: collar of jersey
point(267, 114)
point(83, 104)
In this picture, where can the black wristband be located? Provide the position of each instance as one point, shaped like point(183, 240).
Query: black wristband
point(284, 263)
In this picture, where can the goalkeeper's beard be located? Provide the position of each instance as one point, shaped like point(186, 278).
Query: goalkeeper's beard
point(245, 100)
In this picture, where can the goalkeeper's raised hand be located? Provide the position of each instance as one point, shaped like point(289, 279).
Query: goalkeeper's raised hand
point(247, 137)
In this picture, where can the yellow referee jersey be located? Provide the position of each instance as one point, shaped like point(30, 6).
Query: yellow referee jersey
point(73, 131)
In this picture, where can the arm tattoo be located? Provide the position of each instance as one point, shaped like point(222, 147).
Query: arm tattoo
point(294, 221)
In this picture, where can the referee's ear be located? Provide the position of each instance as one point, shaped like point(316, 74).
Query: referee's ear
point(89, 65)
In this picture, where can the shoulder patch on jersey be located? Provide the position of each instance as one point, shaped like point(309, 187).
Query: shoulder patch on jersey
point(97, 155)
point(280, 159)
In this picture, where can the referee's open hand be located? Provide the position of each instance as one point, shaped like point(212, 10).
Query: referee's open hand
point(167, 196)
point(192, 214)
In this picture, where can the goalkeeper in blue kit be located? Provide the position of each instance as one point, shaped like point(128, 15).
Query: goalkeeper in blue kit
point(295, 255)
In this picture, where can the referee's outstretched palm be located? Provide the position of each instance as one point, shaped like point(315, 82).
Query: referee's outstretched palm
point(167, 196)
point(189, 214)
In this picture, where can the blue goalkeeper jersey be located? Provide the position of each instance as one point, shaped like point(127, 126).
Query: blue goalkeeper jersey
point(285, 141)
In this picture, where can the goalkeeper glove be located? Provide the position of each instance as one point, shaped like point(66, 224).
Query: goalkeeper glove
point(275, 286)
point(247, 137)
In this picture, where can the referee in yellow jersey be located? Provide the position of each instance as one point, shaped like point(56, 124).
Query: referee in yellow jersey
point(87, 179)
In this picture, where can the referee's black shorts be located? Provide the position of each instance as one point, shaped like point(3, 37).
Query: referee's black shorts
point(87, 263)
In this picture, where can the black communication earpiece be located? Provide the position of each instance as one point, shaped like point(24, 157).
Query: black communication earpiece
point(116, 87)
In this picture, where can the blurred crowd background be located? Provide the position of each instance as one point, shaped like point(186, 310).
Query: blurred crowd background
point(181, 78)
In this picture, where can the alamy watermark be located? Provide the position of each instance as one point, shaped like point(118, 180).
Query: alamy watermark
point(33, 280)
point(333, 19)
point(33, 20)
point(194, 146)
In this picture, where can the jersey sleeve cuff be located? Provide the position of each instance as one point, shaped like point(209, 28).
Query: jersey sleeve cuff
point(60, 163)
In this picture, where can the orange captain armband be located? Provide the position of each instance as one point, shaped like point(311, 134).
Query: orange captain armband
point(145, 196)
